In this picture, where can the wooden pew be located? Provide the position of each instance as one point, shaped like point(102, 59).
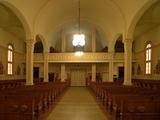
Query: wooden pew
point(13, 109)
point(8, 84)
point(112, 97)
point(38, 97)
point(145, 83)
point(136, 108)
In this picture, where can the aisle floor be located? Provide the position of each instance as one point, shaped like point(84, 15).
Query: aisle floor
point(77, 104)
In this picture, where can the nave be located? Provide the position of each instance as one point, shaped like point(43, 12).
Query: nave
point(77, 104)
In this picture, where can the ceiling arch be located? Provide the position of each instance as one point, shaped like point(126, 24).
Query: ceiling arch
point(21, 17)
point(55, 13)
point(113, 16)
point(137, 16)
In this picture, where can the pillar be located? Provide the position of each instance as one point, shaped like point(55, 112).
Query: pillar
point(93, 72)
point(93, 39)
point(93, 50)
point(46, 67)
point(111, 64)
point(63, 73)
point(128, 62)
point(63, 48)
point(63, 40)
point(29, 62)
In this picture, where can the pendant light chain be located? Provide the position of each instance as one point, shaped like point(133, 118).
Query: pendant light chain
point(79, 15)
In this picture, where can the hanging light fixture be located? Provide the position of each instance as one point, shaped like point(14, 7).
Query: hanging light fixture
point(78, 38)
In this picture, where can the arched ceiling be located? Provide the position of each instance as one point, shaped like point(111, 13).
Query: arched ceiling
point(9, 22)
point(46, 16)
point(56, 13)
point(149, 20)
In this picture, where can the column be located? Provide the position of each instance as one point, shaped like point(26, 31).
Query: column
point(63, 44)
point(63, 48)
point(111, 63)
point(93, 50)
point(93, 72)
point(93, 39)
point(29, 62)
point(63, 73)
point(128, 62)
point(46, 67)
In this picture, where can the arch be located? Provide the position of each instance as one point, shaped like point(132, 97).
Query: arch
point(91, 25)
point(40, 21)
point(44, 42)
point(137, 17)
point(20, 16)
point(119, 45)
point(113, 42)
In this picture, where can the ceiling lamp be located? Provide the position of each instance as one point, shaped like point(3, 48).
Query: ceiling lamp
point(78, 38)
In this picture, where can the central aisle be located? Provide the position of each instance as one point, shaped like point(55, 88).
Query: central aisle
point(77, 104)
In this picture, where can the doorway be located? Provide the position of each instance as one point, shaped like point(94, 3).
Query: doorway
point(36, 74)
point(120, 74)
point(78, 78)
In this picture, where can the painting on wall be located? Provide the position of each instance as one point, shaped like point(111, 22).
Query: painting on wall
point(139, 71)
point(1, 68)
point(133, 69)
point(18, 71)
point(157, 68)
point(24, 70)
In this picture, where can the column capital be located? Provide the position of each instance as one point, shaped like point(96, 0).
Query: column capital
point(29, 44)
point(128, 45)
point(128, 41)
point(29, 41)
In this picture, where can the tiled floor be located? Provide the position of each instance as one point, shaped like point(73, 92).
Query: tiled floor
point(77, 104)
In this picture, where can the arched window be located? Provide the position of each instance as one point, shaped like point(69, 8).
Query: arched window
point(148, 58)
point(10, 60)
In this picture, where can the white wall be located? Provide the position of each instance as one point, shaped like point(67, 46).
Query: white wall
point(103, 69)
point(154, 36)
point(19, 53)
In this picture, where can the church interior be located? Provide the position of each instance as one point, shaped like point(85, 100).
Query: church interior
point(79, 60)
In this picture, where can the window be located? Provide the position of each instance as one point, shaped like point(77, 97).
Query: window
point(148, 59)
point(10, 60)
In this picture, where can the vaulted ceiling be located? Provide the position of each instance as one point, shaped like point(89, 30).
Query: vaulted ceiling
point(46, 17)
point(149, 20)
point(10, 23)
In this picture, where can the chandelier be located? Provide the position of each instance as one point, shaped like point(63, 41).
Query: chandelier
point(78, 38)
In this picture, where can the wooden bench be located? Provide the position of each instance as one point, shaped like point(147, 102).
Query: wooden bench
point(37, 98)
point(9, 84)
point(114, 97)
point(145, 83)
